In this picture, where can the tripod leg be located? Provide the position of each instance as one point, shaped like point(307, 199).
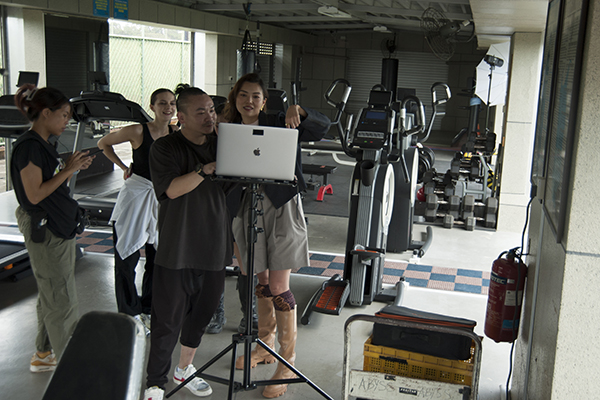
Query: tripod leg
point(267, 326)
point(243, 295)
point(287, 333)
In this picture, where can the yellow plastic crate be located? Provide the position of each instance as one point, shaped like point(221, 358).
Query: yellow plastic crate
point(416, 365)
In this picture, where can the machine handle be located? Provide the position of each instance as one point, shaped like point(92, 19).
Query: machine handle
point(434, 103)
point(341, 106)
point(420, 125)
point(434, 100)
point(342, 103)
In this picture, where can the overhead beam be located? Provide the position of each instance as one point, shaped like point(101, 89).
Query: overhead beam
point(389, 22)
point(298, 18)
point(330, 27)
point(257, 7)
point(398, 11)
point(467, 2)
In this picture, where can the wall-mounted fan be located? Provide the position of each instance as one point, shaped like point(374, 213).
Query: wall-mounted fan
point(388, 47)
point(441, 33)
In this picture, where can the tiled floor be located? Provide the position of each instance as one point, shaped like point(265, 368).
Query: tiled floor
point(457, 262)
point(324, 264)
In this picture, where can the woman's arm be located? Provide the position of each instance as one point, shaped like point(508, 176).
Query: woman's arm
point(132, 133)
point(311, 124)
point(37, 190)
point(294, 115)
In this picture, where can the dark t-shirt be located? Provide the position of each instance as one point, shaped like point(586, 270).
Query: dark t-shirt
point(195, 228)
point(62, 210)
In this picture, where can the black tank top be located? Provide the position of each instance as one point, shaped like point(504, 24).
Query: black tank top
point(141, 155)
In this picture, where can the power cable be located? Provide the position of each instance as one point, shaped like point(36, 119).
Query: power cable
point(517, 253)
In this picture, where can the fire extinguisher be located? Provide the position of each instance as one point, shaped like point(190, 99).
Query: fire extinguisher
point(505, 297)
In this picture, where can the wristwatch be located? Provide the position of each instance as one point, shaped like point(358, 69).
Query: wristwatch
point(199, 170)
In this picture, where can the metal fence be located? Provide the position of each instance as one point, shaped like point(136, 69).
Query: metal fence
point(138, 66)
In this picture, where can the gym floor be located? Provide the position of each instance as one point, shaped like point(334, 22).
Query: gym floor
point(320, 346)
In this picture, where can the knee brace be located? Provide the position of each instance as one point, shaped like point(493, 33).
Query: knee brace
point(262, 291)
point(284, 301)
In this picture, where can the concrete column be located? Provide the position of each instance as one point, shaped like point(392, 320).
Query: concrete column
point(519, 129)
point(198, 64)
point(557, 352)
point(209, 61)
point(26, 48)
point(577, 353)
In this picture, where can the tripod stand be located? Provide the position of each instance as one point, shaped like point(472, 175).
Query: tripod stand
point(248, 337)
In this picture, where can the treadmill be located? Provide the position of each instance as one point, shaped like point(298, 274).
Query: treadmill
point(14, 259)
point(88, 108)
point(97, 107)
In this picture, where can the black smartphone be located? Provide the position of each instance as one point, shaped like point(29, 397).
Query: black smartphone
point(94, 151)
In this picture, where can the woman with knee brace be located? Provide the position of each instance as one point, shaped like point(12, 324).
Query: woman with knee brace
point(283, 245)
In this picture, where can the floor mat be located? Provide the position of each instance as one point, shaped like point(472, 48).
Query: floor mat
point(322, 264)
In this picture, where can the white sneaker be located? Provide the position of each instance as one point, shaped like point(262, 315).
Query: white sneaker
point(146, 320)
point(45, 364)
point(154, 393)
point(141, 321)
point(197, 386)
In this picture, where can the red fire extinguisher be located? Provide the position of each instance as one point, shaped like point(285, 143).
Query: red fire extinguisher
point(505, 297)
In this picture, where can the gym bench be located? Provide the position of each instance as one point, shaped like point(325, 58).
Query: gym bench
point(321, 170)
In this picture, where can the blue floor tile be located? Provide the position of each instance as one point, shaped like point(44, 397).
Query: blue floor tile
point(321, 257)
point(393, 272)
point(99, 235)
point(466, 272)
point(418, 267)
point(442, 277)
point(311, 270)
point(417, 282)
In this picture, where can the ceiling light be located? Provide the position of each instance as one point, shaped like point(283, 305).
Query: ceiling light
point(381, 28)
point(333, 12)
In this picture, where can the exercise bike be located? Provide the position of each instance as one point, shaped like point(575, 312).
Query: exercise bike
point(377, 141)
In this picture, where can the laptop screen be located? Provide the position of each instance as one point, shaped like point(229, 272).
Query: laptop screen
point(259, 152)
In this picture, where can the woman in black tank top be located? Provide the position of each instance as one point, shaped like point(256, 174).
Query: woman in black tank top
point(137, 201)
point(162, 103)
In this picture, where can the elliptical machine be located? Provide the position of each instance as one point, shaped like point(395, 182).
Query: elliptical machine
point(377, 141)
point(400, 238)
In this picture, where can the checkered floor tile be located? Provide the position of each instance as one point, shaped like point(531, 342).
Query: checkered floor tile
point(453, 279)
point(460, 280)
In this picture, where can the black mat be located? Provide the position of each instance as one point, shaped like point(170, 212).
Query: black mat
point(335, 204)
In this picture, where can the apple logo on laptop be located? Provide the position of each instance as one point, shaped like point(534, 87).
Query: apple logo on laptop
point(257, 151)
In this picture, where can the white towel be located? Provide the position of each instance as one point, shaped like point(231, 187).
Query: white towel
point(135, 216)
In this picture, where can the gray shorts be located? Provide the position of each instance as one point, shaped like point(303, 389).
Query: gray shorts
point(284, 242)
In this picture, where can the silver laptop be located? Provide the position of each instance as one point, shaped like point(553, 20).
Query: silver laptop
point(259, 152)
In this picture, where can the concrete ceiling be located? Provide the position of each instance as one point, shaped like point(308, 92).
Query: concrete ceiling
point(498, 19)
point(493, 20)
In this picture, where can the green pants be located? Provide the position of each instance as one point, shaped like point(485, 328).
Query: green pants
point(53, 265)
